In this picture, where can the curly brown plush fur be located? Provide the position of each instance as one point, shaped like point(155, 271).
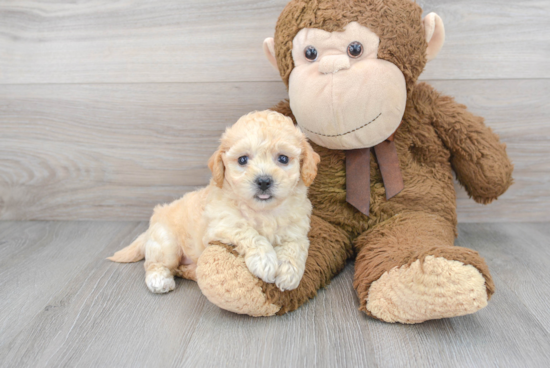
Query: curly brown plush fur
point(437, 136)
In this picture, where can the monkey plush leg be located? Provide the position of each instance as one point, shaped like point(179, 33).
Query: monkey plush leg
point(407, 270)
point(225, 280)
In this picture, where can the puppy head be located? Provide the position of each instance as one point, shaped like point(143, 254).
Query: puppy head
point(262, 158)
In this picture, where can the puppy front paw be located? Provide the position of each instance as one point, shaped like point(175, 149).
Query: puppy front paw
point(288, 276)
point(263, 264)
point(160, 281)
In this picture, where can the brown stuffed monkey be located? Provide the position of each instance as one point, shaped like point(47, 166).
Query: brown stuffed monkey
point(384, 191)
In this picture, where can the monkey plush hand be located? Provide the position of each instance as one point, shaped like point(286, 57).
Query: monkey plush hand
point(384, 191)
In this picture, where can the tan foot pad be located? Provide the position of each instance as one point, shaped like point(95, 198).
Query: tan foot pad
point(225, 280)
point(440, 288)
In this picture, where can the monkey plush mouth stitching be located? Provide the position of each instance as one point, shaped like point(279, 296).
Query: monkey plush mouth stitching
point(341, 134)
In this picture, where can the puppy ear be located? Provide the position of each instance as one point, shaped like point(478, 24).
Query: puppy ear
point(310, 159)
point(215, 163)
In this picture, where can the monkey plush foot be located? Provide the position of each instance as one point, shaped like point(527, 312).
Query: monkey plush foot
point(225, 280)
point(436, 288)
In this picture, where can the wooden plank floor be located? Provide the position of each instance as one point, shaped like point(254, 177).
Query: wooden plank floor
point(63, 304)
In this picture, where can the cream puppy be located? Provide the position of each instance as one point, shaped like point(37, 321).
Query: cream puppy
point(256, 201)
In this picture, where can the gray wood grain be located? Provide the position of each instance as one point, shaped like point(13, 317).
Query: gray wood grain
point(114, 151)
point(38, 259)
point(82, 310)
point(482, 38)
point(521, 260)
point(142, 41)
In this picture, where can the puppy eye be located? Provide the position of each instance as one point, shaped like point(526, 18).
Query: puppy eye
point(310, 53)
point(243, 160)
point(283, 159)
point(355, 49)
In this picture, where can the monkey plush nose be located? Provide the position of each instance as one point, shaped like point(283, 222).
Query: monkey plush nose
point(264, 182)
point(333, 63)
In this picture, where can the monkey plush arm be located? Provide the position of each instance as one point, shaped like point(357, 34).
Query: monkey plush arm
point(478, 157)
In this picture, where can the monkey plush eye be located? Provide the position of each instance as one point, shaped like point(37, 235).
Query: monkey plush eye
point(311, 53)
point(243, 160)
point(355, 49)
point(283, 159)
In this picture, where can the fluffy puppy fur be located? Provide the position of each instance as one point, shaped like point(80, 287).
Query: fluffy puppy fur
point(256, 201)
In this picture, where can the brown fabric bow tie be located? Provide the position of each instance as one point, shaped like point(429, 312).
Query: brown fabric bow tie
point(358, 174)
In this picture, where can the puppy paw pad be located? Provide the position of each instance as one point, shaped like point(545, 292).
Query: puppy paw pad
point(263, 265)
point(288, 277)
point(158, 283)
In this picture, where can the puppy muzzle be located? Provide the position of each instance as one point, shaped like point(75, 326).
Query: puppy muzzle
point(264, 183)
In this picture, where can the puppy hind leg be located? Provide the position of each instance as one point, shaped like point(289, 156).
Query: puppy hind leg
point(187, 271)
point(162, 256)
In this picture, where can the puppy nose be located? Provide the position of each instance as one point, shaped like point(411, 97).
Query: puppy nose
point(333, 63)
point(264, 182)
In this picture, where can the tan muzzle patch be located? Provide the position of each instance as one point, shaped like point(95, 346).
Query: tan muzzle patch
point(333, 63)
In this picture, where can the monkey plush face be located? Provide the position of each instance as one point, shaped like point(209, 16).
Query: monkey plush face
point(349, 65)
point(341, 94)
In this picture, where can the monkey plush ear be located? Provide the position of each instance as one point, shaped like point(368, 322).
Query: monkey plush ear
point(310, 159)
point(216, 166)
point(269, 50)
point(435, 34)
